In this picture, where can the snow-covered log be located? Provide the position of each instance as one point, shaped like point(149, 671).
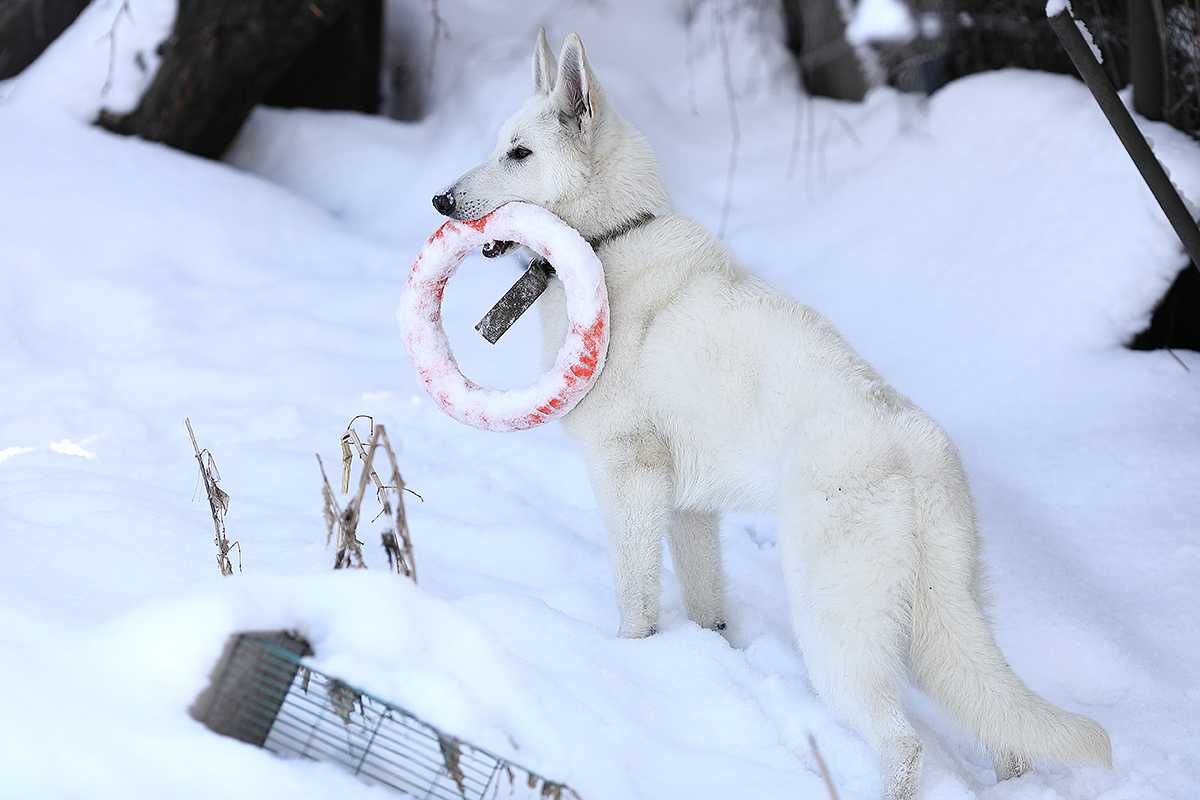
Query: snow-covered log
point(219, 62)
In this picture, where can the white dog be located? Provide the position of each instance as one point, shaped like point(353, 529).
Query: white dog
point(720, 393)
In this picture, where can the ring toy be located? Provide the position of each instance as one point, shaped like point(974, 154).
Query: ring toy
point(579, 360)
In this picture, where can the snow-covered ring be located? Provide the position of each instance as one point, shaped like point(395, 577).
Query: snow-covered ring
point(581, 357)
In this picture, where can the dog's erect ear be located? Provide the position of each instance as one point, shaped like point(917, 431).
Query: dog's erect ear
point(543, 65)
point(575, 89)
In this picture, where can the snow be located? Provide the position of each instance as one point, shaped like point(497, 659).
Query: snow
point(881, 21)
point(1056, 7)
point(989, 254)
point(1087, 37)
point(581, 356)
point(105, 60)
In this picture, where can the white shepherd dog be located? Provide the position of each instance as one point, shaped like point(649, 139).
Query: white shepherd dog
point(720, 393)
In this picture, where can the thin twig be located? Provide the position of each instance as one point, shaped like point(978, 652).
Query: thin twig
point(439, 31)
point(822, 768)
point(689, 20)
point(801, 100)
point(735, 133)
point(111, 36)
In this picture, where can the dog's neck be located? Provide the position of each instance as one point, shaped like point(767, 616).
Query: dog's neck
point(625, 188)
point(616, 233)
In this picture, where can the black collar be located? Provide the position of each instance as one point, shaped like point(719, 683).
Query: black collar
point(517, 300)
point(621, 230)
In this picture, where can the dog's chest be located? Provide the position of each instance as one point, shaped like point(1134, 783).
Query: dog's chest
point(618, 400)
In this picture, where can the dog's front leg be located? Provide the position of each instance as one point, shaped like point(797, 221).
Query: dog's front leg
point(696, 553)
point(633, 484)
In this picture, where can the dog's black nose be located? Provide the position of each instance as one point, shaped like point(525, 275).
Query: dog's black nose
point(444, 203)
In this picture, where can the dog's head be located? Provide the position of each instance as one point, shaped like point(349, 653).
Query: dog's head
point(544, 152)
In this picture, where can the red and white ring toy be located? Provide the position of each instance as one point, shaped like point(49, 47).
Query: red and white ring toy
point(581, 357)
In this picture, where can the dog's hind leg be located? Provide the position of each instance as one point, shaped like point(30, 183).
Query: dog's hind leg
point(849, 561)
point(696, 554)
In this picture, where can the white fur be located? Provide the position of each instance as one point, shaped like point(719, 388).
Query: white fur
point(719, 394)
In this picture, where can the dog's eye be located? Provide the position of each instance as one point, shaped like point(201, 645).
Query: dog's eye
point(519, 153)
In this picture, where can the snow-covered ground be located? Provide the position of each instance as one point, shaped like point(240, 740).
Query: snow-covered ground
point(989, 252)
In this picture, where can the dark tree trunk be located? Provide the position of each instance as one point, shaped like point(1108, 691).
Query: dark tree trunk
point(27, 27)
point(1175, 323)
point(828, 64)
point(342, 71)
point(1146, 60)
point(221, 59)
point(981, 35)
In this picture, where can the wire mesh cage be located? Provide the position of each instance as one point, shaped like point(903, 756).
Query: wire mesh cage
point(262, 693)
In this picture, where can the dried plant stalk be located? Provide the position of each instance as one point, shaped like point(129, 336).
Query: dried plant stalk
point(218, 504)
point(451, 755)
point(341, 525)
point(352, 443)
point(329, 506)
point(397, 542)
point(399, 549)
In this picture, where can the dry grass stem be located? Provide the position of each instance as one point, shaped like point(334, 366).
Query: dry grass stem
point(347, 545)
point(218, 504)
point(341, 526)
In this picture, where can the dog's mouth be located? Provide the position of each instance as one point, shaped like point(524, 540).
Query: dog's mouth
point(463, 207)
point(450, 204)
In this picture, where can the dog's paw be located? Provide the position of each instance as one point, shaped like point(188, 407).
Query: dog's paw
point(637, 631)
point(497, 248)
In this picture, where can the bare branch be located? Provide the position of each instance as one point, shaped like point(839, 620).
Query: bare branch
point(689, 19)
point(802, 100)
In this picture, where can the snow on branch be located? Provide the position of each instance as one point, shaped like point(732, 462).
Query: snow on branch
point(874, 21)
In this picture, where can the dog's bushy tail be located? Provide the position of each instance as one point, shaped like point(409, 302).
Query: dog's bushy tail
point(956, 660)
